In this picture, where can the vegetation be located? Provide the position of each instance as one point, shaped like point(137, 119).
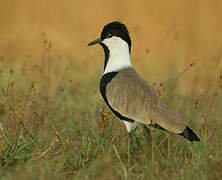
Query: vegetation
point(53, 121)
point(55, 125)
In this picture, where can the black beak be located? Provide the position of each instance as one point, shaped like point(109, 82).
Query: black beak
point(99, 40)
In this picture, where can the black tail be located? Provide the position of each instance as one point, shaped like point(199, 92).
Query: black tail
point(190, 135)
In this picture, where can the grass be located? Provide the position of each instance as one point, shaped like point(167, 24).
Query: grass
point(55, 125)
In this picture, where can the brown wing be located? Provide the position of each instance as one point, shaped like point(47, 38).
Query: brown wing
point(132, 97)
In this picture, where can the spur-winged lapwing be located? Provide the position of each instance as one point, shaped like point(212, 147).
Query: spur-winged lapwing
point(129, 97)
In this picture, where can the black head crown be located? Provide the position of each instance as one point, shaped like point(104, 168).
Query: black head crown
point(116, 29)
point(113, 29)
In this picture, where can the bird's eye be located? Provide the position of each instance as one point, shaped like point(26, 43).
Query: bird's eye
point(109, 35)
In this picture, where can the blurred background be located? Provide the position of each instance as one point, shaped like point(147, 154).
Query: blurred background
point(164, 34)
point(52, 115)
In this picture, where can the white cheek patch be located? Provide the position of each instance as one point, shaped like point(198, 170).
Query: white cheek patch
point(116, 43)
point(119, 57)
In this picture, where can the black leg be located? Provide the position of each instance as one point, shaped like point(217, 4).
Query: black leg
point(148, 135)
point(132, 145)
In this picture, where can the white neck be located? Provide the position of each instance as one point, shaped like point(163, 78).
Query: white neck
point(119, 56)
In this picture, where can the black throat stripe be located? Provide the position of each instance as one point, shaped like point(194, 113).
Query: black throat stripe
point(107, 78)
point(106, 53)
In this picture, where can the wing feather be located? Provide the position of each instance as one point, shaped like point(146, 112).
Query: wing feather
point(133, 98)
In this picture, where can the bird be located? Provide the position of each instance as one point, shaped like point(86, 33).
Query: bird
point(130, 98)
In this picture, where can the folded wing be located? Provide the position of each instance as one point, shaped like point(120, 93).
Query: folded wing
point(133, 98)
